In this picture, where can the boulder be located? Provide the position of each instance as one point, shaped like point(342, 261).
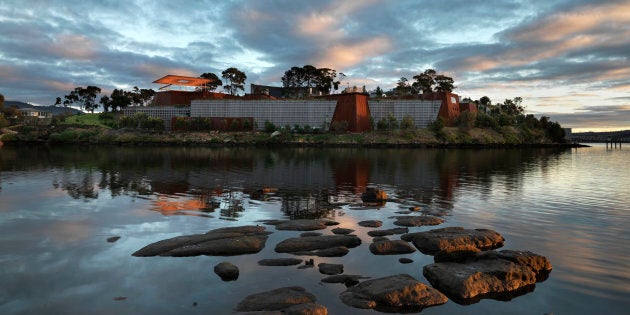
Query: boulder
point(417, 220)
point(311, 234)
point(280, 262)
point(337, 251)
point(276, 300)
point(220, 242)
point(405, 260)
point(312, 243)
point(494, 274)
point(391, 248)
point(306, 309)
point(380, 239)
point(227, 271)
point(330, 269)
point(374, 195)
point(342, 231)
point(397, 293)
point(371, 223)
point(453, 239)
point(113, 239)
point(348, 280)
point(375, 233)
point(300, 225)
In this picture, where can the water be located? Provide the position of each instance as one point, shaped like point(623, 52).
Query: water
point(59, 205)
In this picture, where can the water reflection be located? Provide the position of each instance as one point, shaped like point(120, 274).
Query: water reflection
point(308, 182)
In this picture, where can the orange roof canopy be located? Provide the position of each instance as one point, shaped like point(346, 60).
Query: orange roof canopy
point(181, 80)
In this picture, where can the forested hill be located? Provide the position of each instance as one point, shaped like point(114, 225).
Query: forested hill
point(55, 110)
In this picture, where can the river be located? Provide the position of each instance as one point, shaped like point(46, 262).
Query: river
point(59, 206)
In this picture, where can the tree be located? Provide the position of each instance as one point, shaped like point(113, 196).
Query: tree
point(402, 87)
point(379, 92)
point(1, 101)
point(235, 80)
point(58, 101)
point(84, 97)
point(313, 79)
point(484, 100)
point(425, 81)
point(214, 83)
point(105, 102)
point(119, 99)
point(444, 83)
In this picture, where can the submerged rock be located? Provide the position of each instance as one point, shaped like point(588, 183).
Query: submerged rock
point(219, 242)
point(315, 243)
point(300, 225)
point(488, 274)
point(281, 299)
point(405, 260)
point(375, 233)
point(452, 239)
point(348, 280)
point(227, 271)
point(395, 247)
point(311, 234)
point(337, 251)
point(380, 239)
point(371, 223)
point(113, 239)
point(280, 262)
point(397, 293)
point(410, 220)
point(330, 269)
point(342, 231)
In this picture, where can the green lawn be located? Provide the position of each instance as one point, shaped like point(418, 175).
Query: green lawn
point(85, 120)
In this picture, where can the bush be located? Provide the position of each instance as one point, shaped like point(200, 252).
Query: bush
point(486, 121)
point(3, 121)
point(269, 126)
point(407, 123)
point(382, 124)
point(466, 120)
point(339, 126)
point(392, 122)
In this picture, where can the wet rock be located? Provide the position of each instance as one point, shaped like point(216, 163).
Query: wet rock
point(310, 234)
point(397, 293)
point(342, 231)
point(220, 242)
point(276, 300)
point(330, 269)
point(315, 243)
point(414, 208)
point(403, 212)
point(457, 253)
point(338, 251)
point(113, 239)
point(371, 223)
point(488, 274)
point(348, 280)
point(391, 248)
point(374, 195)
point(300, 225)
point(280, 262)
point(405, 260)
point(393, 231)
point(453, 238)
point(307, 264)
point(417, 220)
point(227, 271)
point(380, 239)
point(306, 309)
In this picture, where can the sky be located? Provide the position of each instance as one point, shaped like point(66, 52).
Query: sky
point(568, 59)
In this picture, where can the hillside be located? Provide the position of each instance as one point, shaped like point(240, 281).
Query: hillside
point(55, 110)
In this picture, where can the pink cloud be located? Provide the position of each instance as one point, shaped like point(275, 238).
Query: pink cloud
point(342, 56)
point(73, 47)
point(157, 71)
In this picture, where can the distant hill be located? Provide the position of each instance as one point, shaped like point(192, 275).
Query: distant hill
point(623, 136)
point(55, 110)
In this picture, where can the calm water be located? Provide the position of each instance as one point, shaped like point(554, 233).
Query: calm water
point(59, 205)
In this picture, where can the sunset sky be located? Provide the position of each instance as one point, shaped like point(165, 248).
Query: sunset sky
point(568, 59)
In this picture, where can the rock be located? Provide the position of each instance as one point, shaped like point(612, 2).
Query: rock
point(113, 239)
point(276, 300)
point(330, 269)
point(275, 134)
point(342, 231)
point(397, 293)
point(310, 234)
point(371, 223)
point(454, 238)
point(374, 195)
point(391, 248)
point(405, 260)
point(220, 242)
point(300, 225)
point(312, 243)
point(457, 253)
point(227, 271)
point(417, 220)
point(280, 262)
point(380, 239)
point(414, 208)
point(488, 274)
point(306, 309)
point(403, 212)
point(338, 251)
point(393, 231)
point(348, 280)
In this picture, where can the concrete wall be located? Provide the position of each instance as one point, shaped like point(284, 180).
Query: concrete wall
point(422, 111)
point(312, 112)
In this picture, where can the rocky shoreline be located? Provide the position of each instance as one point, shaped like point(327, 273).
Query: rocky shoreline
point(467, 265)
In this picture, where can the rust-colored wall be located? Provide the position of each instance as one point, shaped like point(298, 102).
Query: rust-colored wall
point(169, 98)
point(353, 108)
point(468, 107)
point(449, 111)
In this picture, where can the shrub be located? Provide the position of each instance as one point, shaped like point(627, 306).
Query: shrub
point(235, 125)
point(339, 126)
point(382, 124)
point(407, 123)
point(486, 121)
point(466, 120)
point(392, 122)
point(269, 126)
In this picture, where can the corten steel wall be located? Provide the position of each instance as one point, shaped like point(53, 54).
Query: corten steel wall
point(423, 112)
point(467, 107)
point(169, 98)
point(166, 113)
point(450, 108)
point(352, 108)
point(312, 112)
